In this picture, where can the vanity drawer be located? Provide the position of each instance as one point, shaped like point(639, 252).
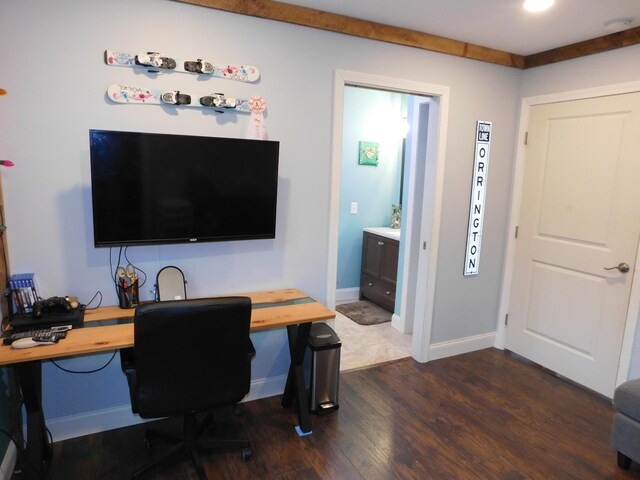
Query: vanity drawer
point(378, 291)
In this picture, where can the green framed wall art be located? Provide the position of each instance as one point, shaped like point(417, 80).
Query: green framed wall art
point(368, 153)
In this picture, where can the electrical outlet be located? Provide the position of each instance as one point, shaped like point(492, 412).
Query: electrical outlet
point(354, 208)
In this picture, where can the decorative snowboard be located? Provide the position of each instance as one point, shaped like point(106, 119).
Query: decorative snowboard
point(156, 63)
point(148, 96)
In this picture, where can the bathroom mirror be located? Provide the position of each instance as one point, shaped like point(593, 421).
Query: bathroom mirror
point(170, 284)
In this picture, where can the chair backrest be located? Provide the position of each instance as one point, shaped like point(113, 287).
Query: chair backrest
point(191, 354)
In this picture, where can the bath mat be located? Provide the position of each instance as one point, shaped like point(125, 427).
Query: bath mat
point(364, 312)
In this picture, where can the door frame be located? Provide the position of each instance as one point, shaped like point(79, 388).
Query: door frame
point(433, 181)
point(633, 309)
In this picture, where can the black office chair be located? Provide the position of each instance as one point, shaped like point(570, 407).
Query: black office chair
point(189, 356)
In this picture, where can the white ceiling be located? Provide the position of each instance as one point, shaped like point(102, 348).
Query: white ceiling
point(500, 24)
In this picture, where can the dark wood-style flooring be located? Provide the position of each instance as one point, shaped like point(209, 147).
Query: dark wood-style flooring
point(483, 415)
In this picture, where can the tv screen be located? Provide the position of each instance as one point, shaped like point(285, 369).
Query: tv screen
point(151, 188)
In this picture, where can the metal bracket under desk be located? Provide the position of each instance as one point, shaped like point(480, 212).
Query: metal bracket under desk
point(39, 450)
point(295, 387)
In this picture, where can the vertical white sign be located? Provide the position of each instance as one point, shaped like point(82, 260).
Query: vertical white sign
point(478, 195)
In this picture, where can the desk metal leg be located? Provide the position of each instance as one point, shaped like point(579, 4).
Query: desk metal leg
point(295, 387)
point(30, 381)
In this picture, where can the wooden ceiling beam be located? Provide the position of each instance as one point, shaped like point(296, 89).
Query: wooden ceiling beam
point(308, 17)
point(582, 49)
point(332, 22)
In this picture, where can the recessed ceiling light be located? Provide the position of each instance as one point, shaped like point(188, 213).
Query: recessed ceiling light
point(537, 5)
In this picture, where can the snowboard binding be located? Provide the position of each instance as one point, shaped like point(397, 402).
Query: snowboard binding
point(174, 97)
point(199, 66)
point(153, 59)
point(218, 100)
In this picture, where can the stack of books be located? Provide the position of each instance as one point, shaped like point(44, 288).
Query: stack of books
point(23, 292)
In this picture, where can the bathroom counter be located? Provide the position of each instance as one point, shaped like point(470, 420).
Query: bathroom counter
point(392, 233)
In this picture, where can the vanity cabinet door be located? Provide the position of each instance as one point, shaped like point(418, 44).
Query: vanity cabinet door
point(371, 254)
point(379, 270)
point(389, 262)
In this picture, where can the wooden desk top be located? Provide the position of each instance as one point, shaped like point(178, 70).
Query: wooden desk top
point(271, 309)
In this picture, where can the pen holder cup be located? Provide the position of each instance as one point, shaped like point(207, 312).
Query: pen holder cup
point(128, 295)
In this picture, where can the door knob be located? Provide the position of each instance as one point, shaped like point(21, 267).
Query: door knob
point(623, 267)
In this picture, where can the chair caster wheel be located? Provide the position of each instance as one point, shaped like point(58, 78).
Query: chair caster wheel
point(246, 453)
point(624, 462)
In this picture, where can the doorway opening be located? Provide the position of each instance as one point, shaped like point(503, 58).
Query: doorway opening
point(417, 186)
point(375, 131)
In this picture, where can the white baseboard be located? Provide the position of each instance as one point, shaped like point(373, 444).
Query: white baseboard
point(63, 428)
point(398, 323)
point(72, 426)
point(9, 462)
point(266, 387)
point(462, 345)
point(348, 295)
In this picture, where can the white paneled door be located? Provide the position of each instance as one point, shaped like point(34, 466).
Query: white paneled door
point(577, 237)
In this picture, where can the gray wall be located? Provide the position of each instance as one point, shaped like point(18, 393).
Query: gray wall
point(56, 79)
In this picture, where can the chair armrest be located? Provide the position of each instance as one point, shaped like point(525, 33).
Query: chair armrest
point(127, 360)
point(128, 364)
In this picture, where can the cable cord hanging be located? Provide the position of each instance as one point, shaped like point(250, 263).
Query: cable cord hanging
point(114, 275)
point(136, 269)
point(92, 299)
point(85, 371)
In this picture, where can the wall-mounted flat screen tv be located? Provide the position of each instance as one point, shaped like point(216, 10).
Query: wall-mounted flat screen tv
point(150, 188)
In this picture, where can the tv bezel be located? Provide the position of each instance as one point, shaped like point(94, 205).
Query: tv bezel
point(181, 240)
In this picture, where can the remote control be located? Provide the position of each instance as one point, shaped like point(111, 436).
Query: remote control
point(57, 332)
point(32, 342)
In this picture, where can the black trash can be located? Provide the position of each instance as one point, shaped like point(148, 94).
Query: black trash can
point(325, 345)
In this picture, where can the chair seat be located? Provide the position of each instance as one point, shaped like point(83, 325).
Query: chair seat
point(627, 399)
